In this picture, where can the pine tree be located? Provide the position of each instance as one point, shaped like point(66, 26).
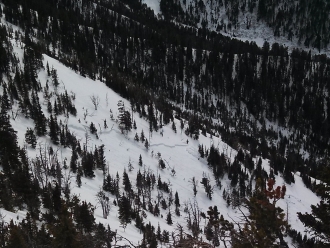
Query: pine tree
point(53, 129)
point(84, 216)
point(176, 200)
point(124, 117)
point(8, 145)
point(174, 127)
point(126, 182)
point(73, 161)
point(146, 144)
point(266, 223)
point(159, 233)
point(142, 137)
point(65, 233)
point(78, 177)
point(54, 77)
point(100, 158)
point(169, 218)
point(317, 222)
point(16, 237)
point(140, 160)
point(30, 138)
point(124, 210)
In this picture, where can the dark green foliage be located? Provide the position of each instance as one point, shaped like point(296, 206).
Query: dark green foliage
point(78, 176)
point(8, 144)
point(169, 218)
point(124, 210)
point(193, 127)
point(92, 128)
point(88, 164)
point(100, 158)
point(317, 222)
point(5, 103)
point(164, 69)
point(39, 119)
point(84, 216)
point(142, 137)
point(161, 164)
point(146, 144)
point(16, 237)
point(30, 138)
point(125, 122)
point(73, 161)
point(176, 200)
point(110, 185)
point(207, 187)
point(266, 224)
point(217, 162)
point(54, 129)
point(127, 183)
point(65, 233)
point(56, 198)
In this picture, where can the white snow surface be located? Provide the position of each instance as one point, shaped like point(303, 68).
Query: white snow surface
point(179, 154)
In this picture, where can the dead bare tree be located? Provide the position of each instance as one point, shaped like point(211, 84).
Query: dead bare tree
point(43, 164)
point(14, 113)
point(67, 183)
point(104, 201)
point(106, 99)
point(95, 100)
point(193, 218)
point(182, 239)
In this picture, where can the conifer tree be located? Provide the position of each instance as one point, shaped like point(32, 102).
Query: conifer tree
point(84, 216)
point(73, 161)
point(142, 137)
point(16, 237)
point(146, 144)
point(317, 222)
point(124, 210)
point(124, 117)
point(126, 182)
point(169, 218)
point(266, 224)
point(140, 160)
point(65, 233)
point(30, 138)
point(78, 177)
point(8, 144)
point(176, 200)
point(53, 129)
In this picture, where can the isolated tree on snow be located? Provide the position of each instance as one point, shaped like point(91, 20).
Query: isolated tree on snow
point(124, 117)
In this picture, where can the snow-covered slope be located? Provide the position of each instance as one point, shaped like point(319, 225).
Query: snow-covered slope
point(179, 152)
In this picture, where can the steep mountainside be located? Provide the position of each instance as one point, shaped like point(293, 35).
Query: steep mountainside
point(119, 127)
point(304, 22)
